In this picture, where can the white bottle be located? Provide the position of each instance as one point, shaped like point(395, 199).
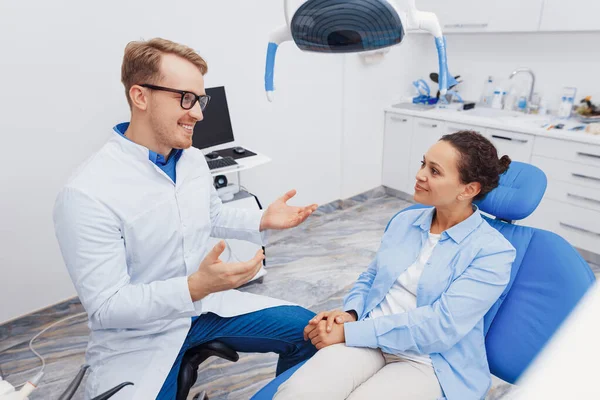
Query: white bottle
point(488, 92)
point(564, 110)
point(497, 99)
point(510, 100)
point(543, 110)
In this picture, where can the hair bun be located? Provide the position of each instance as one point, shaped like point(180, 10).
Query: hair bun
point(503, 163)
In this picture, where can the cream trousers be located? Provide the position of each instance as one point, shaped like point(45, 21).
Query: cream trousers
point(354, 373)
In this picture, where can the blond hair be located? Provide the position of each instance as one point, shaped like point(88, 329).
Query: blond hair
point(141, 62)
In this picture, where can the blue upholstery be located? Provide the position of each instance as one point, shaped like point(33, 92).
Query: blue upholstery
point(551, 279)
point(548, 279)
point(518, 194)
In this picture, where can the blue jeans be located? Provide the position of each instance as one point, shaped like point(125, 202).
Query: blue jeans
point(277, 329)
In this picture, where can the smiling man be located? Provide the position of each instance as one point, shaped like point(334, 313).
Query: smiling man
point(133, 224)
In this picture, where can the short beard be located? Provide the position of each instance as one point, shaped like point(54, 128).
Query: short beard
point(164, 138)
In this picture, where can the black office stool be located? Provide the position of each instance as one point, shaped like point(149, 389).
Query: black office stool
point(193, 357)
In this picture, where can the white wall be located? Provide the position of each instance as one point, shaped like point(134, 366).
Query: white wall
point(368, 89)
point(61, 95)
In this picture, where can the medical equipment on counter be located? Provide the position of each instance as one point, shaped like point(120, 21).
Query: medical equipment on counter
point(424, 93)
point(434, 76)
point(353, 26)
point(9, 392)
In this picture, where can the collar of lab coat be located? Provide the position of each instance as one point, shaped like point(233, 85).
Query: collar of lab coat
point(458, 232)
point(156, 158)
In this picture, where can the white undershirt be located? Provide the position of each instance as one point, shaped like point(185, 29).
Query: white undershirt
point(402, 296)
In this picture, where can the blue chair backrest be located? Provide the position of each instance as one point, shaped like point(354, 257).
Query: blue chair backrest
point(548, 277)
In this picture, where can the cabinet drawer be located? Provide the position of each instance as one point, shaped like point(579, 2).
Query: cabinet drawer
point(518, 146)
point(570, 172)
point(583, 153)
point(396, 150)
point(576, 195)
point(579, 226)
point(452, 127)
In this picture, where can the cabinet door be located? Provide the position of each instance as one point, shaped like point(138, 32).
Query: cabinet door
point(571, 15)
point(485, 15)
point(518, 146)
point(426, 133)
point(396, 150)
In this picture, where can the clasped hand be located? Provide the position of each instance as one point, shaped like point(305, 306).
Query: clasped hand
point(327, 328)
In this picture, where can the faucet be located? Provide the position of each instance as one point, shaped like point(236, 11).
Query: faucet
point(530, 72)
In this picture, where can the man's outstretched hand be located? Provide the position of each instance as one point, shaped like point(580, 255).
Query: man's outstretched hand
point(279, 215)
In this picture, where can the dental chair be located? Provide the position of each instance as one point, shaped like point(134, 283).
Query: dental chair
point(548, 279)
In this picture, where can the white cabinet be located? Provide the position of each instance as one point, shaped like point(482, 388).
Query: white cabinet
point(396, 150)
point(571, 205)
point(426, 132)
point(485, 15)
point(570, 15)
point(580, 153)
point(518, 146)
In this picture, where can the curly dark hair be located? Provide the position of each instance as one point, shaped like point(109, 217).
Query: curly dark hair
point(478, 160)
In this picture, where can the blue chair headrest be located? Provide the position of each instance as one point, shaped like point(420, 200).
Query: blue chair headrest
point(520, 191)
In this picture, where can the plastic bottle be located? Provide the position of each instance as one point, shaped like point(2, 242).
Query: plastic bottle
point(522, 103)
point(488, 92)
point(564, 110)
point(497, 99)
point(510, 100)
point(543, 110)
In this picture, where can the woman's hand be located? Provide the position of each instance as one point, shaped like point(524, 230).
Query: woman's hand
point(337, 316)
point(332, 316)
point(321, 338)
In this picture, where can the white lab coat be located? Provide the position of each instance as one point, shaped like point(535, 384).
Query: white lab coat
point(130, 237)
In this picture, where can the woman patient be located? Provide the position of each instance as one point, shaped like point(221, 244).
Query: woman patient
point(412, 325)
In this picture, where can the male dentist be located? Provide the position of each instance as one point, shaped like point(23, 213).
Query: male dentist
point(133, 224)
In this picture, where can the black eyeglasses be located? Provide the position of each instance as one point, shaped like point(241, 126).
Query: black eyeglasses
point(188, 99)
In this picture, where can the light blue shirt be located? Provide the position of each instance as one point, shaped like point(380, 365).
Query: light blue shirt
point(465, 275)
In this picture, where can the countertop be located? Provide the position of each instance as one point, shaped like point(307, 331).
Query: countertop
point(501, 120)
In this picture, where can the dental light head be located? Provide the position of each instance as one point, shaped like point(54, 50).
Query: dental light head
point(352, 26)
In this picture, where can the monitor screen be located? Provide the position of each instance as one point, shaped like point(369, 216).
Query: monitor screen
point(215, 128)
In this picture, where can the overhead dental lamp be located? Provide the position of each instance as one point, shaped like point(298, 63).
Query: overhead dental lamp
point(353, 26)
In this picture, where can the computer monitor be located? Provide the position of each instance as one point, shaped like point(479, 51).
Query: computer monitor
point(215, 128)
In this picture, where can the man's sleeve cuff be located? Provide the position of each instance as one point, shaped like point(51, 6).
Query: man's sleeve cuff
point(187, 305)
point(360, 334)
